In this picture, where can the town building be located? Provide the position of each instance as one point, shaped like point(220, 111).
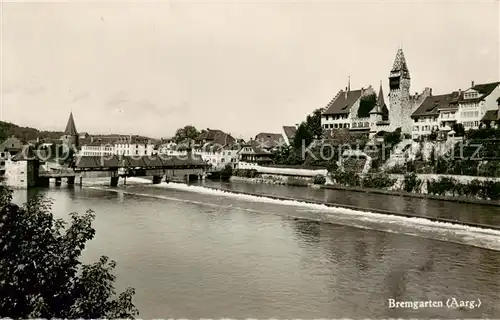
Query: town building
point(362, 110)
point(479, 105)
point(214, 146)
point(8, 149)
point(473, 108)
point(128, 145)
point(252, 152)
point(270, 141)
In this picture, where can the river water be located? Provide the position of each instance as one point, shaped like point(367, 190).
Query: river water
point(191, 252)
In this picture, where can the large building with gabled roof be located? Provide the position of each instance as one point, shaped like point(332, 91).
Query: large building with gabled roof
point(363, 110)
point(473, 108)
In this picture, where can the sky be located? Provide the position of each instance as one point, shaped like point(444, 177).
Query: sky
point(244, 67)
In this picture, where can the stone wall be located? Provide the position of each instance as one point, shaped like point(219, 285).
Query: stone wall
point(19, 174)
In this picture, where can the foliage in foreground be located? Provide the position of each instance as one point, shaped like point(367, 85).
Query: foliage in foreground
point(40, 272)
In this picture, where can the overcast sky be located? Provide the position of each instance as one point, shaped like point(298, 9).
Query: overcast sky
point(243, 67)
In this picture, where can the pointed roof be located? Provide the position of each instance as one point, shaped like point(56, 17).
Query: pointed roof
point(399, 62)
point(70, 127)
point(379, 107)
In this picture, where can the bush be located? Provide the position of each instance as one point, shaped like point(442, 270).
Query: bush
point(227, 172)
point(487, 190)
point(346, 178)
point(41, 275)
point(246, 173)
point(491, 190)
point(441, 186)
point(411, 183)
point(483, 134)
point(380, 180)
point(296, 182)
point(397, 169)
point(319, 179)
point(489, 169)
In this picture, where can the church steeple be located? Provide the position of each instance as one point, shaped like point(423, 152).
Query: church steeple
point(70, 126)
point(400, 65)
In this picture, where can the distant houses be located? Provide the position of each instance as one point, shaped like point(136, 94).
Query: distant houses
point(473, 108)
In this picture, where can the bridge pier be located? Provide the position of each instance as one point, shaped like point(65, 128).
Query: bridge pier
point(81, 181)
point(157, 179)
point(58, 181)
point(114, 181)
point(71, 181)
point(43, 182)
point(187, 178)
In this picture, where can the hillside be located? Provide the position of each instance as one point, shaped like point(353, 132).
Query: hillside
point(25, 134)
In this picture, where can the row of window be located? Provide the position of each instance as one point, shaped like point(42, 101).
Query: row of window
point(426, 119)
point(361, 125)
point(424, 128)
point(469, 124)
point(470, 114)
point(470, 95)
point(447, 115)
point(336, 125)
point(336, 117)
point(468, 105)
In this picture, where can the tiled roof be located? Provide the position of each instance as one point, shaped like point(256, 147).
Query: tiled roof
point(432, 104)
point(341, 104)
point(484, 90)
point(29, 153)
point(491, 115)
point(132, 161)
point(269, 140)
point(256, 149)
point(290, 131)
point(399, 62)
point(11, 144)
point(70, 126)
point(217, 137)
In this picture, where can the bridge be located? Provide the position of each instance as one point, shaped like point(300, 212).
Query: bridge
point(114, 167)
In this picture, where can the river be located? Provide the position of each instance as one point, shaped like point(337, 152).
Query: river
point(191, 252)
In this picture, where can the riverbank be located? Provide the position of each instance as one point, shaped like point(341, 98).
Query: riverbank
point(274, 180)
point(402, 193)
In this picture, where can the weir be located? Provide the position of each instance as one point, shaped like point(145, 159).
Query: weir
point(369, 210)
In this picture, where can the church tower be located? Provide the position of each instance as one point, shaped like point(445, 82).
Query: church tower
point(400, 108)
point(70, 136)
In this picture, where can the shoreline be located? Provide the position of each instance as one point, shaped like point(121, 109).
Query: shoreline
point(402, 193)
point(397, 193)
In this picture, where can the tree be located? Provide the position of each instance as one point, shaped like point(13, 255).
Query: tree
point(459, 129)
point(188, 132)
point(40, 272)
point(302, 136)
point(313, 123)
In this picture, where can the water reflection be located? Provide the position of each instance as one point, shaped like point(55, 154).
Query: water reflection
point(308, 231)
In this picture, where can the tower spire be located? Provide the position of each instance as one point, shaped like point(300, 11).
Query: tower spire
point(70, 126)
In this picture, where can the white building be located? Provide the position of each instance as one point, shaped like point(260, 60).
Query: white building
point(472, 108)
point(478, 105)
point(130, 145)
